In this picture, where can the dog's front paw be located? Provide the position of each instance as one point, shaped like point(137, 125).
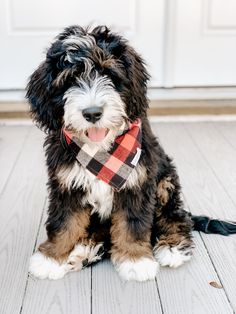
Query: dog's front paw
point(140, 270)
point(44, 267)
point(83, 255)
point(173, 256)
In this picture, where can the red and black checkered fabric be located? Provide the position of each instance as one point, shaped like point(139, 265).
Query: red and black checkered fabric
point(115, 166)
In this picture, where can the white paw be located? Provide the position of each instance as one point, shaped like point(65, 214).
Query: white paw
point(44, 267)
point(140, 270)
point(83, 255)
point(172, 256)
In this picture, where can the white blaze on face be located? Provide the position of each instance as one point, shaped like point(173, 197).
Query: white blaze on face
point(97, 92)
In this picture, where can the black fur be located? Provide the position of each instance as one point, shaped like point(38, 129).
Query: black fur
point(208, 225)
point(153, 212)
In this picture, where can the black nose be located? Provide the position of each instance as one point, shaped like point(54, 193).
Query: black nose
point(92, 114)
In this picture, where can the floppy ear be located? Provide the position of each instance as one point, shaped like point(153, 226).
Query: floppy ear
point(136, 78)
point(137, 87)
point(45, 98)
point(45, 109)
point(47, 84)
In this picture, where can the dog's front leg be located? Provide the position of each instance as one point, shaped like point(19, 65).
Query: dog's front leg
point(131, 251)
point(67, 247)
point(65, 231)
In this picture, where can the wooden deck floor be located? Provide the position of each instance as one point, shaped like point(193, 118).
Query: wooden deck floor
point(205, 154)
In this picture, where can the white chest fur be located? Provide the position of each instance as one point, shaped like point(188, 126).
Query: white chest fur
point(99, 194)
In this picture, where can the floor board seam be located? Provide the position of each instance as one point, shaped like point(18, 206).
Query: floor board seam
point(40, 223)
point(35, 243)
point(210, 258)
point(212, 262)
point(23, 298)
point(159, 295)
point(91, 295)
point(15, 162)
point(209, 165)
point(224, 137)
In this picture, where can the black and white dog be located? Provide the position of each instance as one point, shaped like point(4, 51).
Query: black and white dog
point(112, 188)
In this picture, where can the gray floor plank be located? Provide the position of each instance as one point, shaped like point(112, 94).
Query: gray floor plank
point(204, 195)
point(201, 166)
point(219, 155)
point(187, 289)
point(11, 143)
point(228, 131)
point(111, 295)
point(20, 214)
point(72, 294)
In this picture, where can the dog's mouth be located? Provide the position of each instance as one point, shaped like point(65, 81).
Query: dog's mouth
point(96, 134)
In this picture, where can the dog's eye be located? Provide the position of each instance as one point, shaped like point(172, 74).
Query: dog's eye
point(63, 63)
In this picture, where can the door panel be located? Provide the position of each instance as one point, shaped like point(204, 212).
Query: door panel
point(221, 14)
point(202, 42)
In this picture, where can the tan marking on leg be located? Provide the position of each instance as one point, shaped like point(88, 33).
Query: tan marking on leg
point(163, 188)
point(174, 239)
point(64, 241)
point(173, 250)
point(174, 244)
point(165, 227)
point(124, 246)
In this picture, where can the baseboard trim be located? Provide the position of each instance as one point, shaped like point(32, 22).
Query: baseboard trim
point(175, 111)
point(17, 95)
point(193, 118)
point(20, 110)
point(192, 93)
point(154, 93)
point(153, 119)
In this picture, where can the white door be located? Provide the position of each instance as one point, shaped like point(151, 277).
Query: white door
point(27, 27)
point(185, 42)
point(201, 43)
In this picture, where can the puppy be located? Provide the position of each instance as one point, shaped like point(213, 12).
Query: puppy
point(112, 188)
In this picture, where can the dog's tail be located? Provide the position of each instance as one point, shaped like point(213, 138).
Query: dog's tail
point(209, 225)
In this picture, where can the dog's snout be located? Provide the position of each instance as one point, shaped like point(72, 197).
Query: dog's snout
point(92, 114)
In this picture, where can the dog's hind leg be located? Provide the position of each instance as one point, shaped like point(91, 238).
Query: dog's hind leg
point(173, 225)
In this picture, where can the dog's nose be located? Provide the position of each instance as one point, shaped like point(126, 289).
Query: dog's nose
point(92, 114)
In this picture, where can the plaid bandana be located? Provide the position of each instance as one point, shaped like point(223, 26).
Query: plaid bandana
point(113, 167)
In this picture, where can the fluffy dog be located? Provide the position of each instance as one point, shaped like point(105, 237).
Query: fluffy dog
point(112, 188)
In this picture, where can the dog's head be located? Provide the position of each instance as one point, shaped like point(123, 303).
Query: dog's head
point(91, 82)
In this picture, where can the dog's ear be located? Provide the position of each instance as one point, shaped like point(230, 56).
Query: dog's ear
point(137, 103)
point(108, 41)
point(135, 75)
point(101, 32)
point(46, 109)
point(47, 84)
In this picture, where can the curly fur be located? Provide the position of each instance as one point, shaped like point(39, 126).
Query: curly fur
point(147, 215)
